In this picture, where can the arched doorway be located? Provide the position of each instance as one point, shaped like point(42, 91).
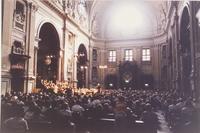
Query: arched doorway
point(82, 66)
point(186, 51)
point(48, 54)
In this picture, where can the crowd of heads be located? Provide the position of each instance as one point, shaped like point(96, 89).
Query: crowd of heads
point(62, 108)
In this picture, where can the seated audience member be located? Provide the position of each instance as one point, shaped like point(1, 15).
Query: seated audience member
point(150, 120)
point(120, 114)
point(16, 124)
point(77, 114)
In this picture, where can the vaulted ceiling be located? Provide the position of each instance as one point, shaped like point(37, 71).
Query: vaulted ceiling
point(111, 19)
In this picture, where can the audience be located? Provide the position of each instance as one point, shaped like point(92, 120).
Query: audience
point(62, 110)
point(17, 123)
point(120, 114)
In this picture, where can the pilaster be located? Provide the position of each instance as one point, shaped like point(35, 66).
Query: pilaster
point(30, 77)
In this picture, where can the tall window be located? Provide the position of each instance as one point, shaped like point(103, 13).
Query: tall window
point(112, 56)
point(164, 49)
point(94, 54)
point(94, 74)
point(146, 56)
point(128, 56)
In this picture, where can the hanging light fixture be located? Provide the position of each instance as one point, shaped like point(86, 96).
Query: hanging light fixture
point(47, 60)
point(81, 54)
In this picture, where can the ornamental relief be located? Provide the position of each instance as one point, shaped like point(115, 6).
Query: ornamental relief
point(69, 64)
point(74, 8)
point(163, 16)
point(19, 16)
point(58, 3)
point(77, 10)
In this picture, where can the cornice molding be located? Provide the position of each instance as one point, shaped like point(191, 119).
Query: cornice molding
point(156, 37)
point(54, 7)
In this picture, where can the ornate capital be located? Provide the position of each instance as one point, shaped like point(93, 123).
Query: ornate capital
point(33, 6)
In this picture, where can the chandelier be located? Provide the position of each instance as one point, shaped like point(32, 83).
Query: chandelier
point(47, 59)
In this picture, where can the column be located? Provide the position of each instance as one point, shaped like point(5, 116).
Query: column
point(74, 73)
point(197, 56)
point(177, 65)
point(60, 65)
point(30, 43)
point(90, 65)
point(36, 47)
point(193, 33)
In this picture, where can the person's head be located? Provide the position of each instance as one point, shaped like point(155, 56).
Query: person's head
point(148, 107)
point(64, 105)
point(14, 99)
point(121, 99)
point(188, 103)
point(19, 112)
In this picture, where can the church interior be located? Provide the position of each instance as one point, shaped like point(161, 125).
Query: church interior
point(100, 66)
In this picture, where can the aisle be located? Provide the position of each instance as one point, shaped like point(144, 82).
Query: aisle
point(164, 128)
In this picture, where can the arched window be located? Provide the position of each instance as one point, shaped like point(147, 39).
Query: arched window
point(94, 55)
point(164, 52)
point(94, 75)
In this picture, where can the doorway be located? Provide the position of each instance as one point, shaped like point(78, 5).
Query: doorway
point(48, 54)
point(82, 66)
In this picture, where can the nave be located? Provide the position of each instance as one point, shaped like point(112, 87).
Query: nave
point(100, 66)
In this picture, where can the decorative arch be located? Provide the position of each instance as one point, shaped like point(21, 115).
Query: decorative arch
point(48, 54)
point(41, 23)
point(186, 54)
point(82, 65)
point(82, 53)
point(82, 45)
point(186, 5)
